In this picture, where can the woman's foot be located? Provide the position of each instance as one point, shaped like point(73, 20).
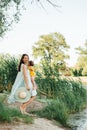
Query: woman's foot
point(21, 109)
point(29, 114)
point(26, 113)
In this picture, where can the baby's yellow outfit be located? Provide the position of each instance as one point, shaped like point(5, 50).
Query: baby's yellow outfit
point(31, 69)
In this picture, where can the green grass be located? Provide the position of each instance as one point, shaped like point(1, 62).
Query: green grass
point(68, 91)
point(67, 97)
point(54, 110)
point(11, 114)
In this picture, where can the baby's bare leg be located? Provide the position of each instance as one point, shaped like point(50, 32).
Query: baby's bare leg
point(33, 82)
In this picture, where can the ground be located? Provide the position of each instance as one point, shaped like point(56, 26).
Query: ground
point(39, 124)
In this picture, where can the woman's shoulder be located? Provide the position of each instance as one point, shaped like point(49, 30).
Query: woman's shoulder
point(23, 66)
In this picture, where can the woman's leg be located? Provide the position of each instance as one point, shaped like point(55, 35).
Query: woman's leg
point(24, 105)
point(28, 102)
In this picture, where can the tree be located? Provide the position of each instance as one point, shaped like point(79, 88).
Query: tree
point(51, 49)
point(82, 63)
point(82, 50)
point(10, 11)
point(82, 59)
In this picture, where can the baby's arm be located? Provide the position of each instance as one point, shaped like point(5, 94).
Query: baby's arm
point(31, 68)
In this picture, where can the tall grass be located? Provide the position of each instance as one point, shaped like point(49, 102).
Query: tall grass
point(11, 114)
point(55, 110)
point(68, 96)
point(68, 91)
point(8, 71)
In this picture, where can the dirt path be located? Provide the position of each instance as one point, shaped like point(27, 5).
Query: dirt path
point(39, 124)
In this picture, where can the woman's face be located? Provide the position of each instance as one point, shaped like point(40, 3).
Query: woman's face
point(25, 59)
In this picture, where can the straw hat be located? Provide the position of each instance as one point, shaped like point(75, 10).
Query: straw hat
point(22, 95)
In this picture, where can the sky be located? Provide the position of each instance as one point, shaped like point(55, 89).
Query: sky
point(69, 20)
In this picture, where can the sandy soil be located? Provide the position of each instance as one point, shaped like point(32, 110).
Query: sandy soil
point(39, 124)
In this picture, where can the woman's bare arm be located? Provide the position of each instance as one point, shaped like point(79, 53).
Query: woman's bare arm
point(25, 77)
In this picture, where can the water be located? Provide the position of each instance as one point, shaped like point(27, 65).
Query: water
point(78, 121)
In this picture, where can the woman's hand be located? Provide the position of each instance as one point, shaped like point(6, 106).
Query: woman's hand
point(35, 87)
point(28, 88)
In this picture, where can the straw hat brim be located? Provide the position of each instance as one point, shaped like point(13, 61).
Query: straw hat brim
point(22, 90)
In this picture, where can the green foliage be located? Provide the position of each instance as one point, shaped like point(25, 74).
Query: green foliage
point(47, 80)
point(82, 50)
point(50, 84)
point(82, 60)
point(84, 72)
point(55, 110)
point(74, 95)
point(9, 114)
point(11, 10)
point(67, 96)
point(77, 72)
point(68, 91)
point(2, 97)
point(82, 63)
point(8, 71)
point(6, 18)
point(51, 48)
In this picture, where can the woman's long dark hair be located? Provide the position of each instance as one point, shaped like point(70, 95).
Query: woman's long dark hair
point(21, 61)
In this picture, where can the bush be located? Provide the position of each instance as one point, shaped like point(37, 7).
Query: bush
point(68, 97)
point(8, 71)
point(68, 91)
point(77, 72)
point(56, 110)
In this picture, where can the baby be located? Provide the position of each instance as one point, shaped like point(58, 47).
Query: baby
point(32, 74)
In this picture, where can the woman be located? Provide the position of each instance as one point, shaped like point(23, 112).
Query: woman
point(22, 82)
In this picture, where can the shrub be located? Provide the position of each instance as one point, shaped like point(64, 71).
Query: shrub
point(68, 91)
point(56, 110)
point(8, 71)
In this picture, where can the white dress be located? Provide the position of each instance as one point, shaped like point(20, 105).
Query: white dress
point(19, 82)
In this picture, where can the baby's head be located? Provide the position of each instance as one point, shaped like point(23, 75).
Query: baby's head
point(31, 63)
